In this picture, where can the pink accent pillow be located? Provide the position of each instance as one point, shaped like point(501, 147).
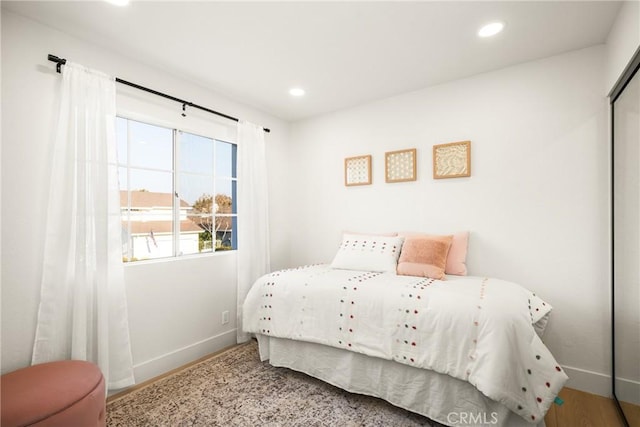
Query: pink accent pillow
point(424, 256)
point(457, 257)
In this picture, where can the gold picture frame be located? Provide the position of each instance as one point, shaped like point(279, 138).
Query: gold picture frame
point(400, 166)
point(452, 160)
point(357, 170)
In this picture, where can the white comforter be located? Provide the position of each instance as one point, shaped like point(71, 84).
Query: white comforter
point(475, 329)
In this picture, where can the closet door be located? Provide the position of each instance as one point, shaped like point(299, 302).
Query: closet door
point(626, 245)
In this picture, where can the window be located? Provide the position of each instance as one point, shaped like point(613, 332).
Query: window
point(177, 192)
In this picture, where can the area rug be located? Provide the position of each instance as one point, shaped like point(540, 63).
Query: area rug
point(235, 389)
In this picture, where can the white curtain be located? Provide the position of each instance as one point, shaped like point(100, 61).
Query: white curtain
point(83, 311)
point(253, 213)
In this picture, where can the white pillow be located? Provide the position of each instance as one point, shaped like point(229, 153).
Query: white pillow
point(368, 253)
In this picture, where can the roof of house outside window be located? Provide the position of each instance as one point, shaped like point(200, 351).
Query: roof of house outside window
point(150, 199)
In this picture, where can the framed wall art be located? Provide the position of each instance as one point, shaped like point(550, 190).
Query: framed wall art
point(452, 160)
point(400, 165)
point(357, 170)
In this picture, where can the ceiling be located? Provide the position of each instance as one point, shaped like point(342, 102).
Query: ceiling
point(342, 53)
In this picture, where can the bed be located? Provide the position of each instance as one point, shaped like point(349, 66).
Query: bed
point(460, 350)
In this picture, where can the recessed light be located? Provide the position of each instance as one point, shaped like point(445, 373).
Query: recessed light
point(118, 2)
point(491, 29)
point(296, 91)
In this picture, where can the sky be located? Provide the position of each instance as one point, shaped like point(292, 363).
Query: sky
point(148, 150)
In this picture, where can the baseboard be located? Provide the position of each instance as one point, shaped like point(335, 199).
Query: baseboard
point(628, 391)
point(182, 356)
point(588, 381)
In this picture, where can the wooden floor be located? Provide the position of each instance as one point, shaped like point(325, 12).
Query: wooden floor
point(582, 409)
point(632, 412)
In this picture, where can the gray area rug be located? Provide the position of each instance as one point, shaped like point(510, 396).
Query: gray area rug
point(235, 389)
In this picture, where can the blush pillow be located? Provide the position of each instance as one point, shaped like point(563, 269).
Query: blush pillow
point(368, 253)
point(424, 256)
point(457, 257)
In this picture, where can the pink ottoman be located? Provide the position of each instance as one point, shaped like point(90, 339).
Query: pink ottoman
point(68, 393)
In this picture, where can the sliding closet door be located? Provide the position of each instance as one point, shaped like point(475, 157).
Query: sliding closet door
point(626, 246)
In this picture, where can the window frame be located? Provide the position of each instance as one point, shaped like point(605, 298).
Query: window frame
point(176, 134)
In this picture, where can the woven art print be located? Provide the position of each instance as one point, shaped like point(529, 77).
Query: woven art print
point(357, 170)
point(400, 165)
point(452, 160)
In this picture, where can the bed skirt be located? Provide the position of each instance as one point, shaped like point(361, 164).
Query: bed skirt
point(439, 397)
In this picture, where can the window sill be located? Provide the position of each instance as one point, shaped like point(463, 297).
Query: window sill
point(181, 258)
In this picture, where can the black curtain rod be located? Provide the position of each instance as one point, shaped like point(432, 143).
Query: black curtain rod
point(61, 61)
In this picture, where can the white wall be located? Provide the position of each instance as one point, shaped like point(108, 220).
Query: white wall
point(536, 202)
point(175, 307)
point(622, 42)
